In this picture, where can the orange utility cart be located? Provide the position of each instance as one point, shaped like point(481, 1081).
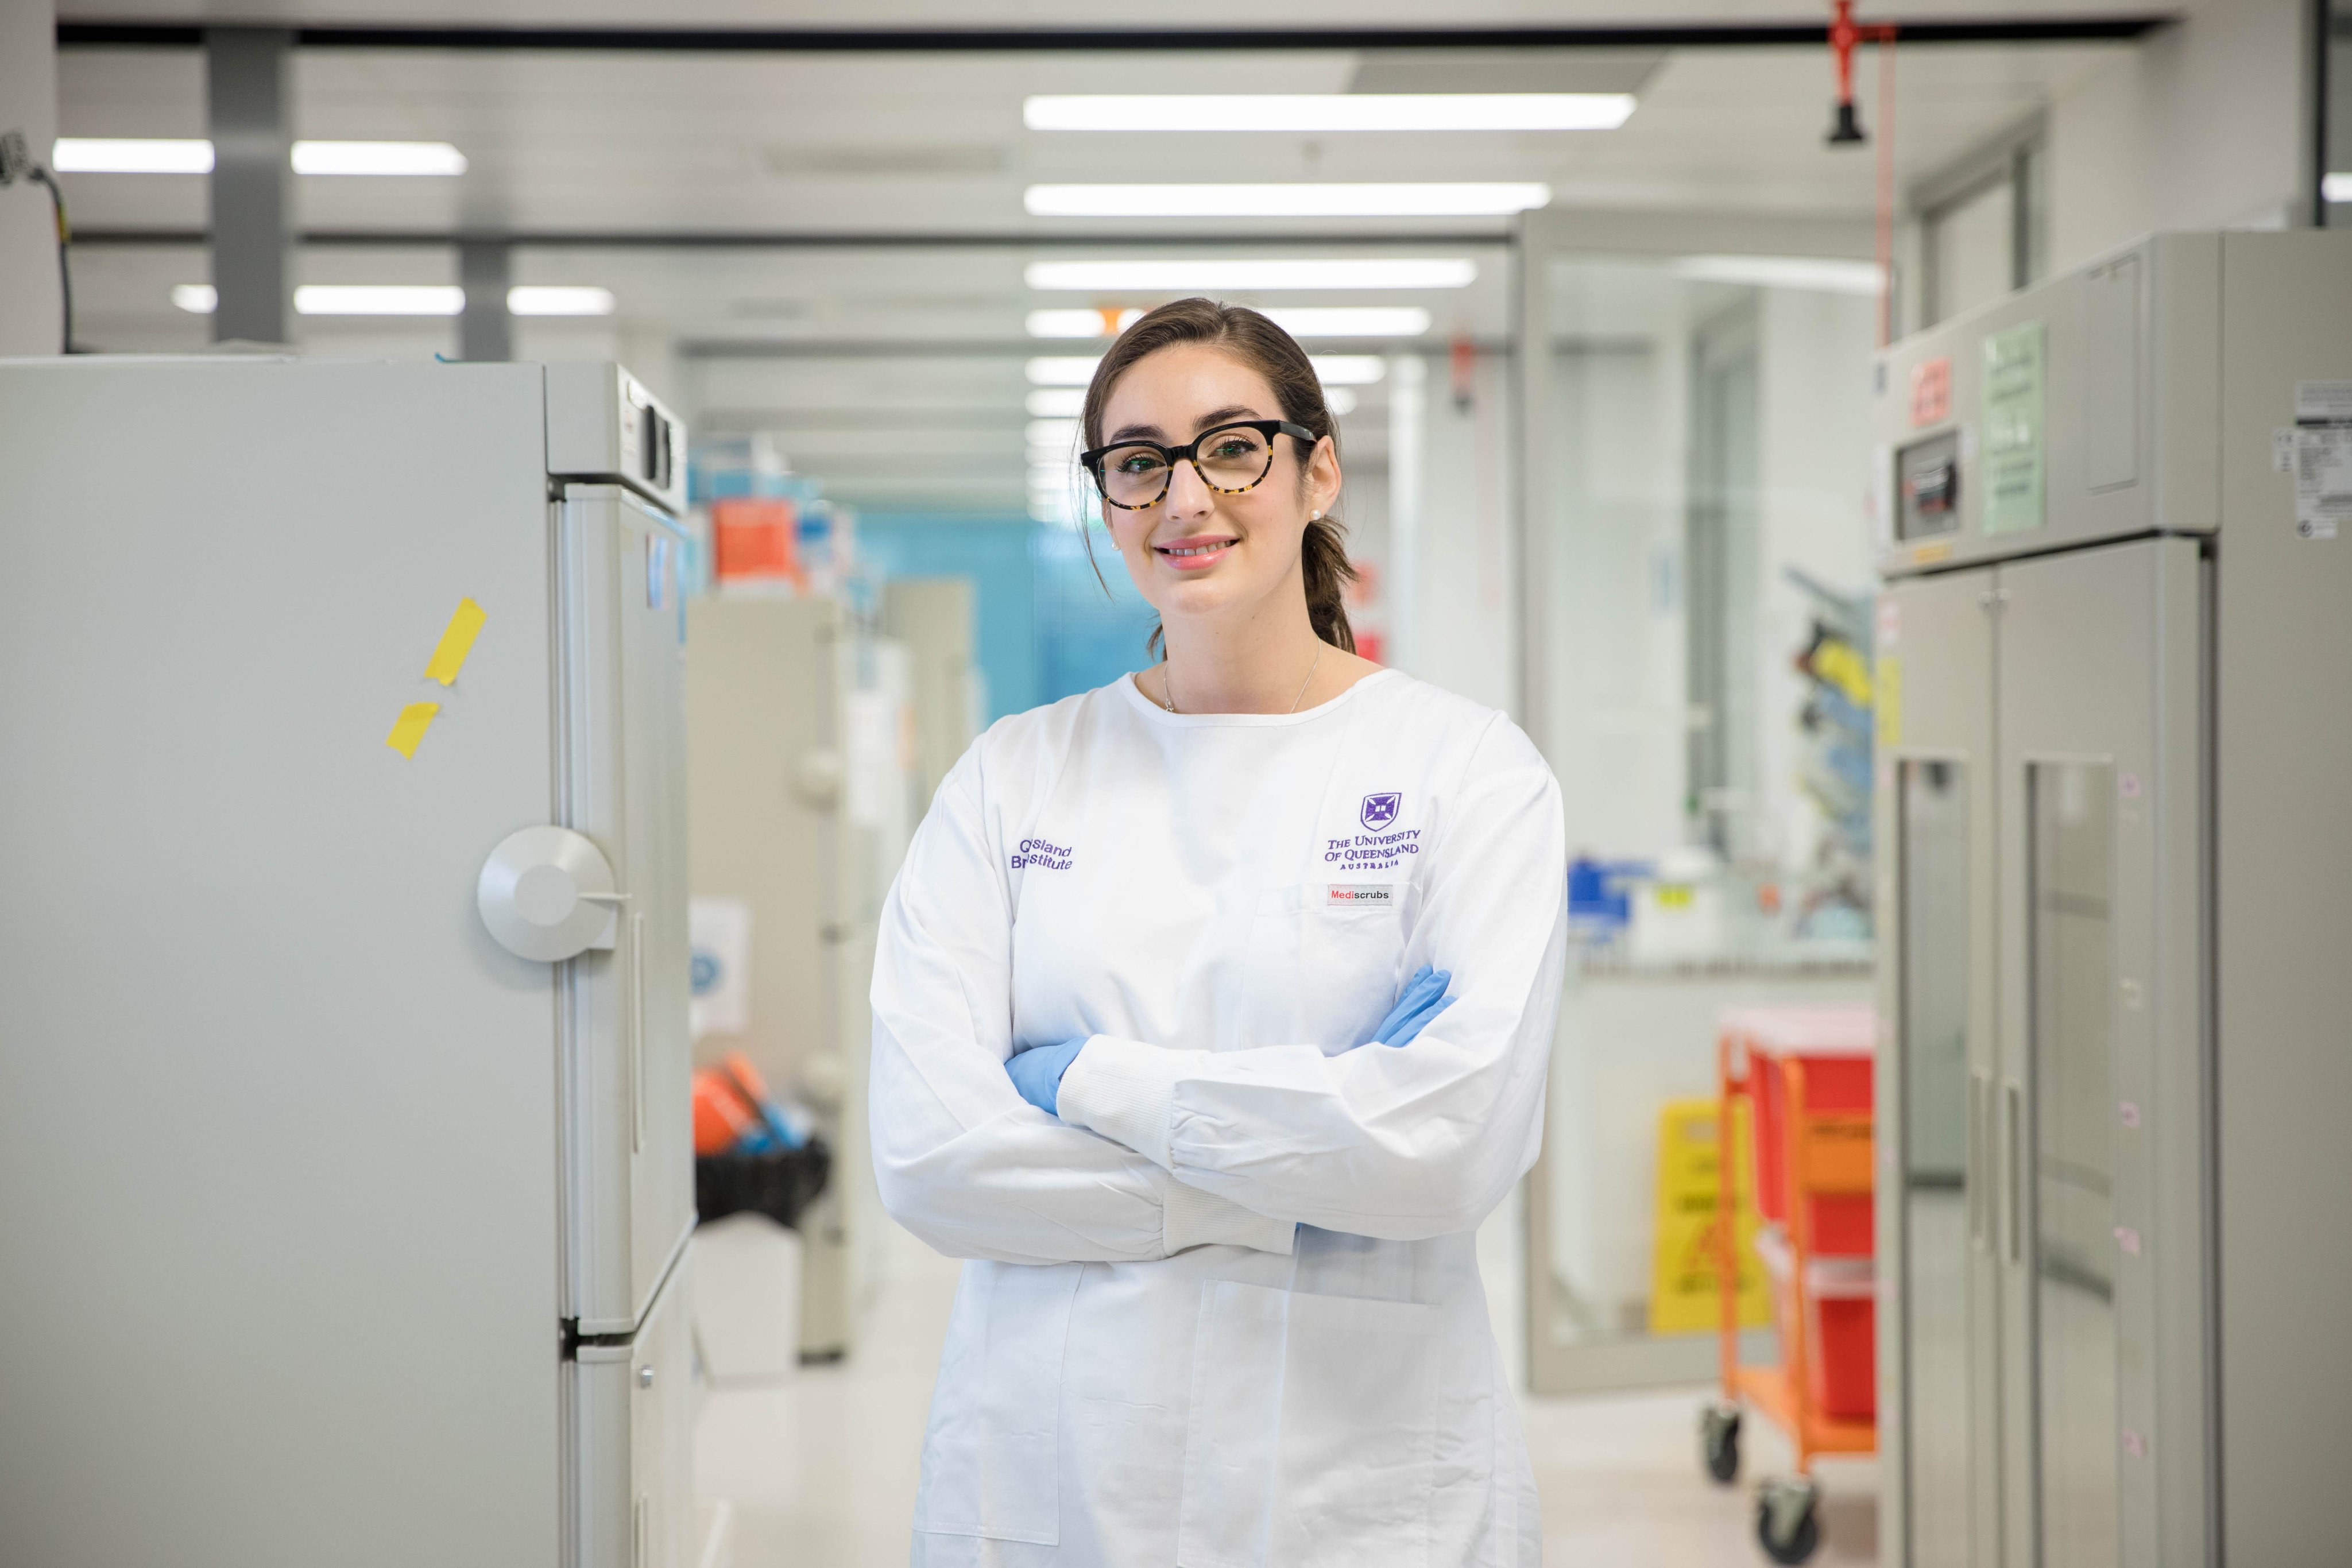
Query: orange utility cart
point(1806, 1072)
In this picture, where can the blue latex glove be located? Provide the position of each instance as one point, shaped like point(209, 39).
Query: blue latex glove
point(1037, 1072)
point(1424, 997)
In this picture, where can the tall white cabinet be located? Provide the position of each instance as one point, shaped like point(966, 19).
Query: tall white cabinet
point(2115, 700)
point(342, 990)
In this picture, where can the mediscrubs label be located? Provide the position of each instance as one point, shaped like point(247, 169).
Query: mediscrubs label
point(1360, 895)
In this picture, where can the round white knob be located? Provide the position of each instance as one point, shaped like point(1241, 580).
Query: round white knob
point(546, 894)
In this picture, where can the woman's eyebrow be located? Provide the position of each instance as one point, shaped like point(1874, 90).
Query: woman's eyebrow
point(1206, 421)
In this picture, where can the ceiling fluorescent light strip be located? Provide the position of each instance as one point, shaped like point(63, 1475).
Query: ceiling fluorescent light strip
point(194, 156)
point(1079, 323)
point(1299, 321)
point(365, 299)
point(1464, 199)
point(1076, 370)
point(1830, 275)
point(1061, 371)
point(558, 299)
point(1350, 320)
point(1056, 402)
point(379, 299)
point(1316, 112)
point(386, 158)
point(131, 155)
point(1349, 369)
point(1178, 275)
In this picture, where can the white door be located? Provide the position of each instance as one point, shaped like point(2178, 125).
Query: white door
point(628, 1141)
point(630, 1409)
point(2102, 1117)
point(1940, 1426)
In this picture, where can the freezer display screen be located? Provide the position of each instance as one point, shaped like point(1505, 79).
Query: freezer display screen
point(1927, 487)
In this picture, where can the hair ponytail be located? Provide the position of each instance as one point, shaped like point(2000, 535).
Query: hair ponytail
point(1274, 354)
point(1323, 555)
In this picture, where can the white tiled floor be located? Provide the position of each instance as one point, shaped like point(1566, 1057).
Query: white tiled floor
point(821, 1469)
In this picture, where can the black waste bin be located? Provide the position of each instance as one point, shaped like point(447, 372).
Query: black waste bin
point(777, 1183)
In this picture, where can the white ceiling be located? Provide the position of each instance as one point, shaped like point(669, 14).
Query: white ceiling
point(928, 143)
point(933, 145)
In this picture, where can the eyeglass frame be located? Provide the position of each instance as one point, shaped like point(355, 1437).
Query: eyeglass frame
point(1189, 453)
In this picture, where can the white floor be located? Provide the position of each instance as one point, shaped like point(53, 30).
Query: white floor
point(820, 1469)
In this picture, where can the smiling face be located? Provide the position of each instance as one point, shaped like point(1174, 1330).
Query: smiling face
point(1198, 553)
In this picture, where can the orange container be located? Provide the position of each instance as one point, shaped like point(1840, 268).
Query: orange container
point(1840, 1330)
point(1834, 1043)
point(755, 537)
point(720, 1116)
point(1815, 1169)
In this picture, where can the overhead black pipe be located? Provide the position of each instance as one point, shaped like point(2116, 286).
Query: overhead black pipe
point(811, 239)
point(1032, 41)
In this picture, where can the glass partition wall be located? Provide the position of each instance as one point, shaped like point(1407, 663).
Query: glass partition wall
point(1693, 534)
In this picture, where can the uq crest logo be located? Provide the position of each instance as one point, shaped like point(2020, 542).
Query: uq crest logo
point(1380, 811)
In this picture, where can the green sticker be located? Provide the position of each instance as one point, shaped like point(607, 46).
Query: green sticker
point(2013, 430)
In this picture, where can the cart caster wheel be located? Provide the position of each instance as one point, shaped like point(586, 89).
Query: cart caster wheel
point(1787, 1520)
point(1718, 1437)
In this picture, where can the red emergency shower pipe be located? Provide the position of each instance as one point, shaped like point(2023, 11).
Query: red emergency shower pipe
point(1843, 36)
point(1846, 129)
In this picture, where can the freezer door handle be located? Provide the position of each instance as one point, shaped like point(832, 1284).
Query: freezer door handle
point(546, 894)
point(1980, 1173)
point(637, 1034)
point(2014, 1131)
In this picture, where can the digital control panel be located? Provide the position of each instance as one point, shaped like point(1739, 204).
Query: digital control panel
point(1927, 487)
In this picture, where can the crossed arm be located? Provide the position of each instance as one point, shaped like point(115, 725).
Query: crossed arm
point(1155, 1150)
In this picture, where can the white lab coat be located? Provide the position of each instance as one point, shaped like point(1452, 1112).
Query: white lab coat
point(1225, 1309)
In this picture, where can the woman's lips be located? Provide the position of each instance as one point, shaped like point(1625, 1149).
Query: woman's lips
point(1196, 553)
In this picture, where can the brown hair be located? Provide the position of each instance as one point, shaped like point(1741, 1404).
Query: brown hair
point(1275, 355)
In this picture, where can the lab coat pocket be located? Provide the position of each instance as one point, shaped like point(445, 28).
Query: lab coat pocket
point(1352, 952)
point(993, 1461)
point(1311, 1433)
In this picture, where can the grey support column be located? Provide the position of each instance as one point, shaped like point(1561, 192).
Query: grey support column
point(485, 331)
point(248, 73)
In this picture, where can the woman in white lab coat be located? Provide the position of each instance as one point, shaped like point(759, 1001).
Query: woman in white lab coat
point(1211, 1017)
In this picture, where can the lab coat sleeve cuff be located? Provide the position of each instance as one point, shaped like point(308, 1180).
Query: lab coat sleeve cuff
point(1191, 1217)
point(1126, 1091)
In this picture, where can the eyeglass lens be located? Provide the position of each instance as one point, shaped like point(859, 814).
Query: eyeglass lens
point(1230, 459)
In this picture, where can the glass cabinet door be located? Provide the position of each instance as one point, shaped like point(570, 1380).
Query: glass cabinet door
point(1937, 1141)
point(2071, 1226)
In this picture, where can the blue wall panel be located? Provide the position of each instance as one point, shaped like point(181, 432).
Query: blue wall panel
point(1044, 626)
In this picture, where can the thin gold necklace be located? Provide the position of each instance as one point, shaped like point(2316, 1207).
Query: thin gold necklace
point(1168, 682)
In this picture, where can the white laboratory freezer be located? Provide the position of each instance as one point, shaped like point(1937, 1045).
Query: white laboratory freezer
point(2115, 708)
point(343, 1062)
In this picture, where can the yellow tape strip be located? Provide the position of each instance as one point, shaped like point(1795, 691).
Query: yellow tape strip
point(455, 643)
point(410, 728)
point(1890, 700)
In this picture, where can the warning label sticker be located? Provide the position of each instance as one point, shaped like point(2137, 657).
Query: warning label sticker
point(2321, 459)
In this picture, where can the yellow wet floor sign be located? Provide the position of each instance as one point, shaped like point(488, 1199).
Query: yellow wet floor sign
point(1683, 1290)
